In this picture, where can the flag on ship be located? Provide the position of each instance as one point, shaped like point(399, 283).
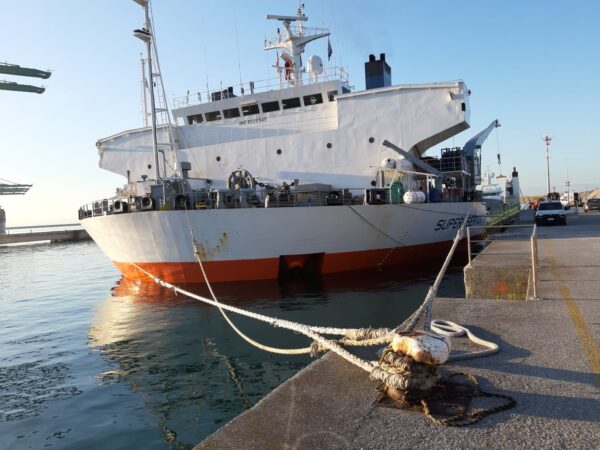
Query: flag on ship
point(329, 50)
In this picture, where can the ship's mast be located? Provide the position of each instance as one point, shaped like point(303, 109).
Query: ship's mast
point(145, 35)
point(144, 97)
point(292, 43)
point(159, 111)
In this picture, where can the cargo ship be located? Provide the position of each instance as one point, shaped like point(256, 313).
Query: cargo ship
point(297, 174)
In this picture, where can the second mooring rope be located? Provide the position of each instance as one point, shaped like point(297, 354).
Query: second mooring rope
point(452, 329)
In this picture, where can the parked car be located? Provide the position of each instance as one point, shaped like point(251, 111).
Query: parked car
point(591, 204)
point(550, 212)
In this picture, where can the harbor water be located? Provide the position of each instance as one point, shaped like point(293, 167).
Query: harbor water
point(88, 360)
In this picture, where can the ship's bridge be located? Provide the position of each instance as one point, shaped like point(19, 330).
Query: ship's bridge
point(255, 99)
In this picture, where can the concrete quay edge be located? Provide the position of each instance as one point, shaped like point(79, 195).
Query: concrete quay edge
point(549, 362)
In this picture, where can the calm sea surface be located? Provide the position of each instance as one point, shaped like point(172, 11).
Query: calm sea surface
point(90, 361)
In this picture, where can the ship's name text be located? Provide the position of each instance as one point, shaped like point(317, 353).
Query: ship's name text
point(445, 224)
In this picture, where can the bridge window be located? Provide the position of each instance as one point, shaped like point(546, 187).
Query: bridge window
point(231, 113)
point(331, 95)
point(196, 118)
point(314, 99)
point(249, 110)
point(213, 115)
point(289, 103)
point(270, 106)
point(345, 90)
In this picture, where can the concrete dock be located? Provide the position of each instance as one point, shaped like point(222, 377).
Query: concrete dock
point(549, 361)
point(33, 235)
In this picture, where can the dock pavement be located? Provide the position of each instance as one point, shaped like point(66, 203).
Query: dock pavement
point(549, 362)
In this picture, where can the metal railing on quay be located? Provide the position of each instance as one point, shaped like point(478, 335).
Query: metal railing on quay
point(507, 213)
point(533, 248)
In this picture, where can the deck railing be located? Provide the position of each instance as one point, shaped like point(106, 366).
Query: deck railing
point(255, 87)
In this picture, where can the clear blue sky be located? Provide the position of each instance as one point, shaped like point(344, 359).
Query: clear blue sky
point(534, 65)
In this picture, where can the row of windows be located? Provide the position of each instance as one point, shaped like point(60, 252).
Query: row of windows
point(248, 110)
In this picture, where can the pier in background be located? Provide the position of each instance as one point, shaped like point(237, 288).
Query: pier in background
point(54, 233)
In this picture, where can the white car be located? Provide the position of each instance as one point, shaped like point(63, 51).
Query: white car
point(549, 212)
point(591, 204)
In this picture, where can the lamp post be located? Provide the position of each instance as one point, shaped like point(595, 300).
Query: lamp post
point(568, 184)
point(547, 139)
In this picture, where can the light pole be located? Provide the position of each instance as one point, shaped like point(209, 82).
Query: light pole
point(568, 184)
point(547, 139)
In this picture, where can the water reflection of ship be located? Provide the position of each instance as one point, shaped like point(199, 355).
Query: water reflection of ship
point(274, 291)
point(180, 359)
point(192, 371)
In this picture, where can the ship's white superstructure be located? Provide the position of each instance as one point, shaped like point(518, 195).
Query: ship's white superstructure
point(2, 221)
point(498, 192)
point(336, 141)
point(299, 173)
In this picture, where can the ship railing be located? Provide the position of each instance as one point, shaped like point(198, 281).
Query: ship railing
point(203, 200)
point(249, 198)
point(98, 208)
point(254, 87)
point(329, 197)
point(482, 240)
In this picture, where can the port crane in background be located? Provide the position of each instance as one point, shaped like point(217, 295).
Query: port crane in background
point(13, 69)
point(11, 188)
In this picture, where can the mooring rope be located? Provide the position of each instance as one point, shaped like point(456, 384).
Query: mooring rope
point(281, 351)
point(452, 329)
point(277, 323)
point(381, 370)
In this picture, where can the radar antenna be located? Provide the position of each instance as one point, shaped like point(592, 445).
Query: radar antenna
point(292, 43)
